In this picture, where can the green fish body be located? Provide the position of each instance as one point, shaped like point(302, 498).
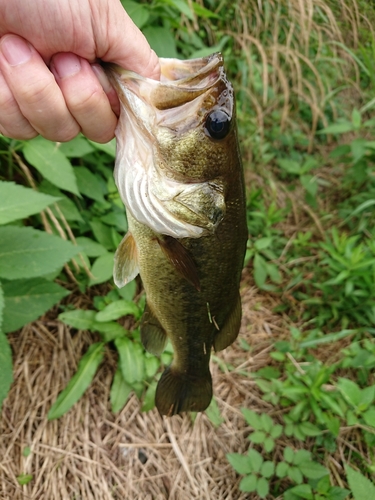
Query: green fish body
point(179, 173)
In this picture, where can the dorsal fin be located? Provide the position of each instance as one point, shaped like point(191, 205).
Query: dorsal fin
point(181, 259)
point(126, 261)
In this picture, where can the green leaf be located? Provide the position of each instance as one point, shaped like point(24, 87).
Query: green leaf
point(295, 474)
point(23, 479)
point(6, 367)
point(109, 330)
point(310, 183)
point(80, 319)
point(89, 184)
point(282, 469)
point(90, 247)
point(213, 413)
point(249, 483)
point(288, 454)
point(116, 310)
point(240, 463)
point(256, 459)
point(337, 128)
point(206, 51)
point(350, 391)
point(269, 444)
point(109, 147)
point(262, 487)
point(367, 397)
point(356, 118)
point(127, 292)
point(18, 202)
point(257, 437)
point(26, 300)
point(149, 398)
point(131, 360)
point(26, 252)
point(312, 470)
point(369, 417)
point(2, 304)
point(76, 148)
point(260, 270)
point(182, 7)
point(276, 431)
point(302, 491)
point(65, 205)
point(309, 429)
point(161, 41)
point(102, 269)
point(268, 469)
point(120, 391)
point(252, 418)
point(359, 484)
point(80, 381)
point(102, 233)
point(152, 364)
point(301, 456)
point(47, 158)
point(290, 166)
point(267, 422)
point(137, 12)
point(337, 493)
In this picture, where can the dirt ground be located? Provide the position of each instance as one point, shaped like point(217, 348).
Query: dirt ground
point(91, 453)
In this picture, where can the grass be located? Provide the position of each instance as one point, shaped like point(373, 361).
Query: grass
point(303, 363)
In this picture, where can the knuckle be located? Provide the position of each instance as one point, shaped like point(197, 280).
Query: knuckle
point(86, 103)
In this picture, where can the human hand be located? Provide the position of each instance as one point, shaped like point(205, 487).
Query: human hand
point(50, 81)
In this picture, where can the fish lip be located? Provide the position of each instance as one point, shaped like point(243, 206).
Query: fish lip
point(181, 81)
point(172, 70)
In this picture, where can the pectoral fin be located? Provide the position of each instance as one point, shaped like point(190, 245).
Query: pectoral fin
point(228, 333)
point(153, 335)
point(181, 259)
point(126, 261)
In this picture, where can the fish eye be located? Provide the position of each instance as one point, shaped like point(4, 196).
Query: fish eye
point(217, 124)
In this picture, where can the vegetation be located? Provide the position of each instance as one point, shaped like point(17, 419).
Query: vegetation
point(305, 97)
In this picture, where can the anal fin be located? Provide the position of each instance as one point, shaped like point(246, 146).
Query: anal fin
point(153, 336)
point(229, 331)
point(126, 261)
point(181, 259)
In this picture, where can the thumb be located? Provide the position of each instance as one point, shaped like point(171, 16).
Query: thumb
point(127, 46)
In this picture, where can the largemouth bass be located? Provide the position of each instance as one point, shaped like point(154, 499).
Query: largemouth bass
point(179, 174)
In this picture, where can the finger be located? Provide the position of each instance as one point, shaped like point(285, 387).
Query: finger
point(125, 43)
point(12, 122)
point(35, 90)
point(87, 92)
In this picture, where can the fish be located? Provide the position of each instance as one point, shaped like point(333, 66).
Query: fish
point(179, 173)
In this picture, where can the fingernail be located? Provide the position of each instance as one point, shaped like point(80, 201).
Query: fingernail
point(66, 64)
point(15, 50)
point(102, 77)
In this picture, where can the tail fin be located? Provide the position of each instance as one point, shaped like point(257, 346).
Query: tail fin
point(177, 392)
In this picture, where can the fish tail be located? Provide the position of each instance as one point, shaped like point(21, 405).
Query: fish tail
point(178, 392)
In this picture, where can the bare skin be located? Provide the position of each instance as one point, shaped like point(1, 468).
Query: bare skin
point(50, 80)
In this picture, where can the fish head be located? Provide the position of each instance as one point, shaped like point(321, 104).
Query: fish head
point(176, 144)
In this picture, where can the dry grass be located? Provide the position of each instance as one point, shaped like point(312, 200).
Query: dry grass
point(90, 453)
point(287, 64)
